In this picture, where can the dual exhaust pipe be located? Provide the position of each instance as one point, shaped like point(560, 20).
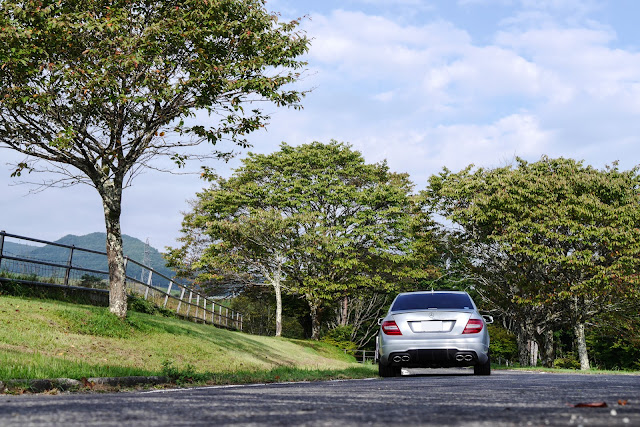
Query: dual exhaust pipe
point(464, 357)
point(401, 358)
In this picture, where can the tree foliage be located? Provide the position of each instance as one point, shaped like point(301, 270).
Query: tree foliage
point(551, 243)
point(328, 222)
point(94, 90)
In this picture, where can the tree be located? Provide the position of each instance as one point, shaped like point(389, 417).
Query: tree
point(326, 221)
point(226, 242)
point(357, 315)
point(96, 89)
point(552, 242)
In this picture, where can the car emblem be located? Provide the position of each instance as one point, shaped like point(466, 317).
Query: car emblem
point(431, 314)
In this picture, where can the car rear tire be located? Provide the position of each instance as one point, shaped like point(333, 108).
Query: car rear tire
point(483, 369)
point(386, 371)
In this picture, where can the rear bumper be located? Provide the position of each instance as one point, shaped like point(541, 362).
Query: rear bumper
point(437, 355)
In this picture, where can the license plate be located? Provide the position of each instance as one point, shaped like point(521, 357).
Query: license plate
point(431, 326)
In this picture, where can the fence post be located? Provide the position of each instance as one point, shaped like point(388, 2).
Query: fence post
point(241, 320)
point(213, 312)
point(149, 282)
point(189, 304)
point(166, 297)
point(68, 271)
point(195, 316)
point(2, 233)
point(180, 301)
point(126, 262)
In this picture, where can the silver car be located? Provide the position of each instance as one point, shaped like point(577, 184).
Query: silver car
point(433, 329)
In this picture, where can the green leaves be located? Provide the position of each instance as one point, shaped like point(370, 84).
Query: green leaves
point(126, 70)
point(554, 234)
point(330, 223)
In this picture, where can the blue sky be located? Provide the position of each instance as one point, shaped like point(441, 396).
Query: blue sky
point(423, 84)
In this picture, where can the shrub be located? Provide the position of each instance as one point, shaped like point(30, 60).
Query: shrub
point(141, 305)
point(503, 344)
point(184, 375)
point(98, 322)
point(566, 363)
point(340, 337)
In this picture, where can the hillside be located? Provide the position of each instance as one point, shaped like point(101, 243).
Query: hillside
point(16, 249)
point(51, 339)
point(133, 248)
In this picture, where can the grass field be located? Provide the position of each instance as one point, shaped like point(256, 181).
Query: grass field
point(52, 339)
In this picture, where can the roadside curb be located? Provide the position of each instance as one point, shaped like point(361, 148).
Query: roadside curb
point(68, 384)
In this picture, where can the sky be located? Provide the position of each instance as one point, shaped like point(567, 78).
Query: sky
point(422, 84)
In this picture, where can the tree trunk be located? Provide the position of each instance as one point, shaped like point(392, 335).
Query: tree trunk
point(278, 291)
point(581, 340)
point(314, 308)
point(344, 317)
point(523, 338)
point(111, 194)
point(533, 351)
point(548, 351)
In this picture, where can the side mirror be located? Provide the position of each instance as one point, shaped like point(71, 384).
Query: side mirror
point(487, 319)
point(380, 321)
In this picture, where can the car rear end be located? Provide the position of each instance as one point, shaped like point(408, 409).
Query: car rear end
point(432, 330)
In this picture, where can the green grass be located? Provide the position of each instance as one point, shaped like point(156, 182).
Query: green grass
point(16, 365)
point(280, 374)
point(53, 339)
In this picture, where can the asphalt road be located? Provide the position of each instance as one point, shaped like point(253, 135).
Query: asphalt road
point(443, 397)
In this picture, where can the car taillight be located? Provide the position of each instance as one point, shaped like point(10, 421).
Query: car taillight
point(473, 326)
point(389, 327)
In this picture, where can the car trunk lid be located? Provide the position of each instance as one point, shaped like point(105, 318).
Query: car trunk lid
point(432, 323)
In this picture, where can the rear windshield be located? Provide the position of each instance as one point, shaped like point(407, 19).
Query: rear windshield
point(437, 301)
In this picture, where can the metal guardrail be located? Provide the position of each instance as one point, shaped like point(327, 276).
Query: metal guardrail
point(162, 290)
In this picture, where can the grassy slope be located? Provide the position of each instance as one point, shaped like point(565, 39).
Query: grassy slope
point(51, 339)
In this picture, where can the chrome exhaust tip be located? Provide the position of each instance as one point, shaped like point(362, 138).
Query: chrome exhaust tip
point(397, 358)
point(468, 358)
point(405, 358)
point(459, 357)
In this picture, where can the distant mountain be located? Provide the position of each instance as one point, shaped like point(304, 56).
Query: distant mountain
point(16, 249)
point(133, 248)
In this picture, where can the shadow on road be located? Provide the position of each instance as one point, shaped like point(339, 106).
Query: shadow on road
point(440, 372)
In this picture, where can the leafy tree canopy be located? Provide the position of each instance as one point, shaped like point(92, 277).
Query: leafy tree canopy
point(336, 223)
point(554, 237)
point(100, 85)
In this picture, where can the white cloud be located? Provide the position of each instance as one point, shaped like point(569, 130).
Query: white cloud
point(456, 146)
point(372, 46)
point(412, 3)
point(485, 2)
point(584, 63)
point(384, 96)
point(437, 70)
point(582, 7)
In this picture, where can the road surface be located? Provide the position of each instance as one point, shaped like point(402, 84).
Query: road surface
point(440, 397)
